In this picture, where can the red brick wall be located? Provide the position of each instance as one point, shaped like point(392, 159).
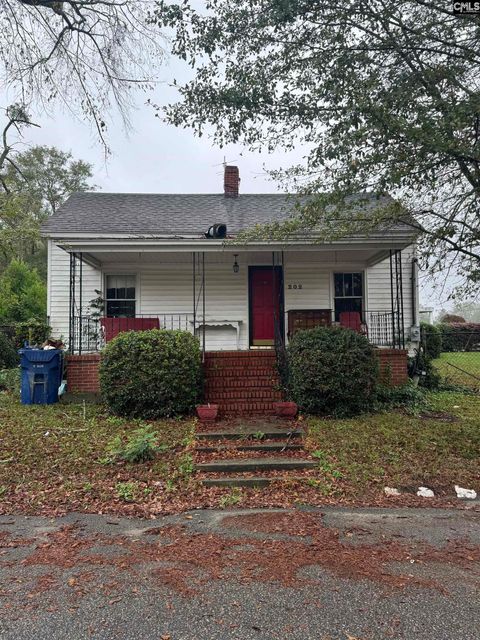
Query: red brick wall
point(393, 366)
point(82, 373)
point(232, 376)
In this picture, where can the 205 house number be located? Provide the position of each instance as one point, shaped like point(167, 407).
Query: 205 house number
point(295, 286)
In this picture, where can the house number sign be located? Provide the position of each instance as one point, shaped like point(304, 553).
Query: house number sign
point(295, 286)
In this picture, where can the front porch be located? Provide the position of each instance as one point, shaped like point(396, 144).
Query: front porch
point(240, 300)
point(242, 304)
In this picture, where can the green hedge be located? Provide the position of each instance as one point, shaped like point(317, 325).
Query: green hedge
point(151, 374)
point(332, 371)
point(460, 336)
point(8, 354)
point(431, 339)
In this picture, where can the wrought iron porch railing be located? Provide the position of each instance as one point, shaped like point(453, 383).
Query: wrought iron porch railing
point(90, 334)
point(383, 328)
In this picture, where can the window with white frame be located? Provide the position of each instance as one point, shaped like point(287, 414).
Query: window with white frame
point(348, 292)
point(120, 300)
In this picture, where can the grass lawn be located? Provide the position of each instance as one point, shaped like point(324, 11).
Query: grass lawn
point(438, 448)
point(456, 367)
point(56, 458)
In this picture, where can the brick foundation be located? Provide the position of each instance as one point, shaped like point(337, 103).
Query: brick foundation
point(82, 373)
point(393, 366)
point(239, 381)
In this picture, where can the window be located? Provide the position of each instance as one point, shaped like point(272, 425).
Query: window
point(348, 293)
point(120, 298)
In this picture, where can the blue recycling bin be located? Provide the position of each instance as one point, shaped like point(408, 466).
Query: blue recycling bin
point(41, 375)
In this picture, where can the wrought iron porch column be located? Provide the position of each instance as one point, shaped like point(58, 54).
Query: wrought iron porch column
point(71, 302)
point(392, 299)
point(203, 305)
point(80, 309)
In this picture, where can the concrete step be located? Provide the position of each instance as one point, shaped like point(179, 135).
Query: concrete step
point(259, 446)
point(256, 464)
point(238, 434)
point(233, 481)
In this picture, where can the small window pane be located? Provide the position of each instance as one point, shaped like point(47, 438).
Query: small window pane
point(112, 282)
point(347, 284)
point(121, 309)
point(130, 293)
point(111, 294)
point(338, 285)
point(357, 284)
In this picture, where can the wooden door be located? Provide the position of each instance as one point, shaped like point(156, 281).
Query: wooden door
point(265, 305)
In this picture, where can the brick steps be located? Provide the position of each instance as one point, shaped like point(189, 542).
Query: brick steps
point(242, 382)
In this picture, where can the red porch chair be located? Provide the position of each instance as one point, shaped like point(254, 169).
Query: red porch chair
point(113, 326)
point(352, 320)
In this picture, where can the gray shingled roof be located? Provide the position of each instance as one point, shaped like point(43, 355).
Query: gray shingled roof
point(169, 215)
point(164, 214)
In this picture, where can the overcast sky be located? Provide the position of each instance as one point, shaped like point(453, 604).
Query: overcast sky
point(156, 157)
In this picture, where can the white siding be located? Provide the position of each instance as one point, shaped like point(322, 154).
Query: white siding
point(379, 291)
point(58, 291)
point(164, 286)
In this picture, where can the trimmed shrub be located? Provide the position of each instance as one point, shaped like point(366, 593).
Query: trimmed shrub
point(332, 370)
point(151, 374)
point(8, 354)
point(460, 336)
point(431, 339)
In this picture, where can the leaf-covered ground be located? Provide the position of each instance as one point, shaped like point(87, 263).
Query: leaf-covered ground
point(58, 458)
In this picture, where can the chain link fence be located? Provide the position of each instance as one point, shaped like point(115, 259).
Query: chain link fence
point(456, 354)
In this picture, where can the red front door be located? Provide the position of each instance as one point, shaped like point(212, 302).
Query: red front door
point(265, 292)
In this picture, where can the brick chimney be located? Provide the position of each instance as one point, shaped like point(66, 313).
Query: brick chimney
point(231, 181)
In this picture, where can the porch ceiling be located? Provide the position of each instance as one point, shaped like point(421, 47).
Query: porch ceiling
point(309, 254)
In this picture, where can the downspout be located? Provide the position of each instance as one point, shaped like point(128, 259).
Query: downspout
point(194, 278)
point(415, 318)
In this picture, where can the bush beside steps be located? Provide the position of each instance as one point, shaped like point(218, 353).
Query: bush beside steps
point(151, 374)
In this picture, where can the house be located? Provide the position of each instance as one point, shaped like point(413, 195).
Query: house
point(170, 260)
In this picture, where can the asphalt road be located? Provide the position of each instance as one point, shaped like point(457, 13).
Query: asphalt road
point(330, 574)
